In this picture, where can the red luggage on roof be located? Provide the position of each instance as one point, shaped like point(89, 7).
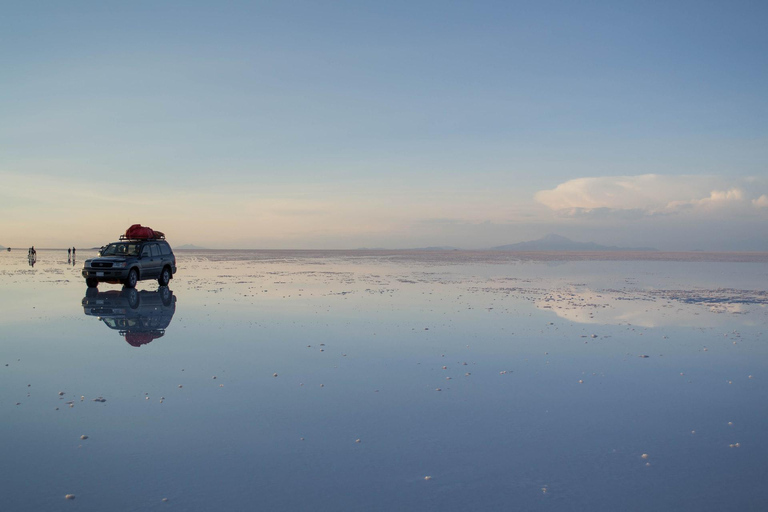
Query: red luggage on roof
point(139, 231)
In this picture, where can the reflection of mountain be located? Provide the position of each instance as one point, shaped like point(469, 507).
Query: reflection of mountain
point(139, 316)
point(652, 308)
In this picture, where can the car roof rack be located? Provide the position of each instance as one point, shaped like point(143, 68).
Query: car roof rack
point(124, 238)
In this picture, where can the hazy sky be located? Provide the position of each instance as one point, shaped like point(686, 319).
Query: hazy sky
point(312, 124)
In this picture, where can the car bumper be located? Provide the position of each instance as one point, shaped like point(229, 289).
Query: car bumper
point(106, 274)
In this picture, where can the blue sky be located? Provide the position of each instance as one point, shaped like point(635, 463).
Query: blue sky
point(395, 124)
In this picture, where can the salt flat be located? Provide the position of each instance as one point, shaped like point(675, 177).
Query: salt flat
point(384, 380)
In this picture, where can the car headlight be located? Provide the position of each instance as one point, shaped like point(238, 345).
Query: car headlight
point(119, 265)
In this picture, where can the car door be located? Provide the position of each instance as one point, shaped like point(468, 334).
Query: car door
point(151, 262)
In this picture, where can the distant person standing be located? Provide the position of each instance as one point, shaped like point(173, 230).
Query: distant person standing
point(69, 252)
point(73, 252)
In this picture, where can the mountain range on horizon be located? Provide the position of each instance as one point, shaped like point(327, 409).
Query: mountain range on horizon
point(554, 242)
point(550, 242)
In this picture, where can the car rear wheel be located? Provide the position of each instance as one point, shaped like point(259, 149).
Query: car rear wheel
point(165, 277)
point(166, 296)
point(133, 278)
point(91, 282)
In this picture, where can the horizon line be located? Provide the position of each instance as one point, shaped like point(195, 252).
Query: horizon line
point(435, 250)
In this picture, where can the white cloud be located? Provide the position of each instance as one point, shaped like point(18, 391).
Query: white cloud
point(761, 202)
point(626, 192)
point(716, 198)
point(630, 197)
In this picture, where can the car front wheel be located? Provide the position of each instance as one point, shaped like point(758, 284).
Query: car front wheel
point(91, 282)
point(133, 278)
point(132, 296)
point(165, 277)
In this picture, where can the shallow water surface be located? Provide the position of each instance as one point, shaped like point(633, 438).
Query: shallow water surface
point(385, 381)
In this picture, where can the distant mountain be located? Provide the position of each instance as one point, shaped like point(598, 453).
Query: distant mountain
point(191, 247)
point(431, 248)
point(748, 245)
point(561, 243)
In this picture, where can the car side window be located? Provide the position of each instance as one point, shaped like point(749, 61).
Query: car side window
point(165, 250)
point(145, 252)
point(155, 250)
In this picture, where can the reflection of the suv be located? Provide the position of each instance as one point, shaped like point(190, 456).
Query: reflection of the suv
point(131, 260)
point(139, 316)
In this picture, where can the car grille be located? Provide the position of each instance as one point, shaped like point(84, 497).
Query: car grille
point(101, 264)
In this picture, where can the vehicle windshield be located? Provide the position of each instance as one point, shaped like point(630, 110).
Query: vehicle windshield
point(126, 249)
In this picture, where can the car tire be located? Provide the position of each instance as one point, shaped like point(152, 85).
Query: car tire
point(132, 279)
point(91, 282)
point(132, 296)
point(165, 277)
point(166, 296)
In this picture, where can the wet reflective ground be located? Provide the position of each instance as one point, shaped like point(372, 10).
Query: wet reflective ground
point(385, 381)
